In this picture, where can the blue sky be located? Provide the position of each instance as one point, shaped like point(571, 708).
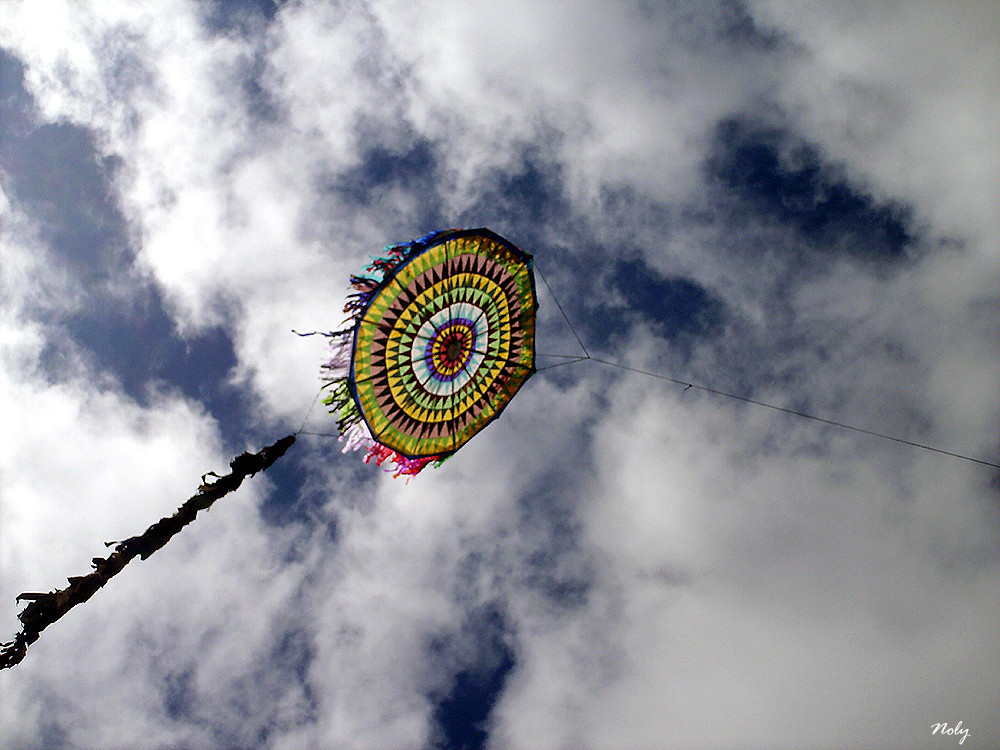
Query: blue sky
point(794, 204)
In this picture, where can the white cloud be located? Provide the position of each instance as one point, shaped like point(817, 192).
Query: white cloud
point(908, 96)
point(746, 578)
point(627, 90)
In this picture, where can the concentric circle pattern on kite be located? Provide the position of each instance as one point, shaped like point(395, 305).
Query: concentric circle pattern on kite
point(444, 343)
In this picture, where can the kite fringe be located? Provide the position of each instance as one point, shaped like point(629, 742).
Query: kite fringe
point(339, 362)
point(357, 437)
point(403, 466)
point(354, 433)
point(337, 371)
point(397, 254)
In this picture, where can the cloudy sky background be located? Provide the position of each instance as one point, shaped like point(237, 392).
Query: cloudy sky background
point(796, 203)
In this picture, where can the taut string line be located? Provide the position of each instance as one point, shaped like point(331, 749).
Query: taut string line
point(795, 412)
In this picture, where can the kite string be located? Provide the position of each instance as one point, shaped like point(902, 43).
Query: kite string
point(565, 316)
point(572, 361)
point(309, 412)
point(687, 385)
point(786, 410)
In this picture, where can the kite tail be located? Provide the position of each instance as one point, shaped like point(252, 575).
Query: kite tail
point(43, 609)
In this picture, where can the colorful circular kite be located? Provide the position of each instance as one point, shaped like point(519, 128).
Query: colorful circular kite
point(440, 344)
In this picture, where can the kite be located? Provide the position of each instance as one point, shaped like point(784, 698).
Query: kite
point(441, 337)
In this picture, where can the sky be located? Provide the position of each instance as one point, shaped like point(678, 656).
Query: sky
point(794, 203)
